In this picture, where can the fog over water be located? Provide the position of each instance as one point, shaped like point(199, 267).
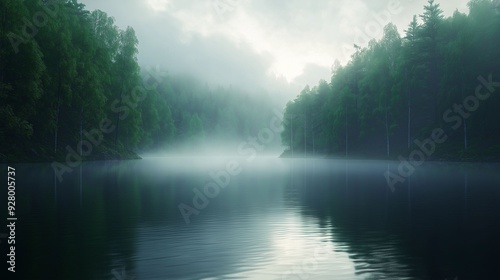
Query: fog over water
point(250, 139)
point(189, 218)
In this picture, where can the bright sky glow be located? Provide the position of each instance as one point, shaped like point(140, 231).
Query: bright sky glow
point(239, 40)
point(158, 5)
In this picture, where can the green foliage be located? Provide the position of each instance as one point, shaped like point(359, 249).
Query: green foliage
point(61, 77)
point(21, 71)
point(222, 113)
point(396, 89)
point(65, 77)
point(196, 133)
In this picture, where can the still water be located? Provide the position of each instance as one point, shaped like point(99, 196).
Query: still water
point(271, 219)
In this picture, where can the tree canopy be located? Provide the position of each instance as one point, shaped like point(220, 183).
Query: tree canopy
point(401, 87)
point(67, 73)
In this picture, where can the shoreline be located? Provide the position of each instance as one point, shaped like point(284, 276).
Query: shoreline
point(25, 159)
point(113, 154)
point(431, 159)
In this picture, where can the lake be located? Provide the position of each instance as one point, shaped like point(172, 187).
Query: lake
point(262, 218)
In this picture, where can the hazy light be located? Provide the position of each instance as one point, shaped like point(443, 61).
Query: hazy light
point(158, 5)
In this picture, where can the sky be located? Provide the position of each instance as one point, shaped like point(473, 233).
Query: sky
point(272, 45)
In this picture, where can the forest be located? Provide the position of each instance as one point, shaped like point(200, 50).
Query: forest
point(70, 82)
point(442, 73)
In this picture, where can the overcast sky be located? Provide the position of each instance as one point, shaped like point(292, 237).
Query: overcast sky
point(257, 42)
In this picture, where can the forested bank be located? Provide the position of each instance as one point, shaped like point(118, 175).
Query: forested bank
point(441, 76)
point(70, 83)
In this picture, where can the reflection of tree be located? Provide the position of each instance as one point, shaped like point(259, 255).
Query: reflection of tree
point(381, 235)
point(68, 240)
point(373, 224)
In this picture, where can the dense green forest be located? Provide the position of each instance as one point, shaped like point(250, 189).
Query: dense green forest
point(395, 92)
point(201, 114)
point(70, 82)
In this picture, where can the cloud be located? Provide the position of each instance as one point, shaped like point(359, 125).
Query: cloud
point(254, 43)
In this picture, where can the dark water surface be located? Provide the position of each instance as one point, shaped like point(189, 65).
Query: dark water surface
point(275, 219)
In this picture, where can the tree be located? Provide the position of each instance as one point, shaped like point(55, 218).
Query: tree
point(196, 133)
point(21, 71)
point(411, 62)
point(125, 85)
point(425, 73)
point(430, 32)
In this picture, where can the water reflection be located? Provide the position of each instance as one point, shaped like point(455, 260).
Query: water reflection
point(277, 219)
point(425, 228)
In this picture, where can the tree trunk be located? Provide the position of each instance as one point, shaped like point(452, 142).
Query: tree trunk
point(313, 142)
point(58, 109)
point(346, 134)
point(462, 87)
point(408, 90)
point(291, 134)
point(81, 130)
point(387, 132)
point(305, 137)
point(57, 125)
point(118, 121)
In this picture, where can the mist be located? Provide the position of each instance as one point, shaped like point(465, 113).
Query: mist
point(269, 51)
point(280, 46)
point(250, 139)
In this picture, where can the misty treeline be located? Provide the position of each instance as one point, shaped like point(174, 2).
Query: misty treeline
point(441, 73)
point(69, 75)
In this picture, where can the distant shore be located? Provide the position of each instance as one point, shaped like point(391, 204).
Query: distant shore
point(33, 156)
point(493, 158)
